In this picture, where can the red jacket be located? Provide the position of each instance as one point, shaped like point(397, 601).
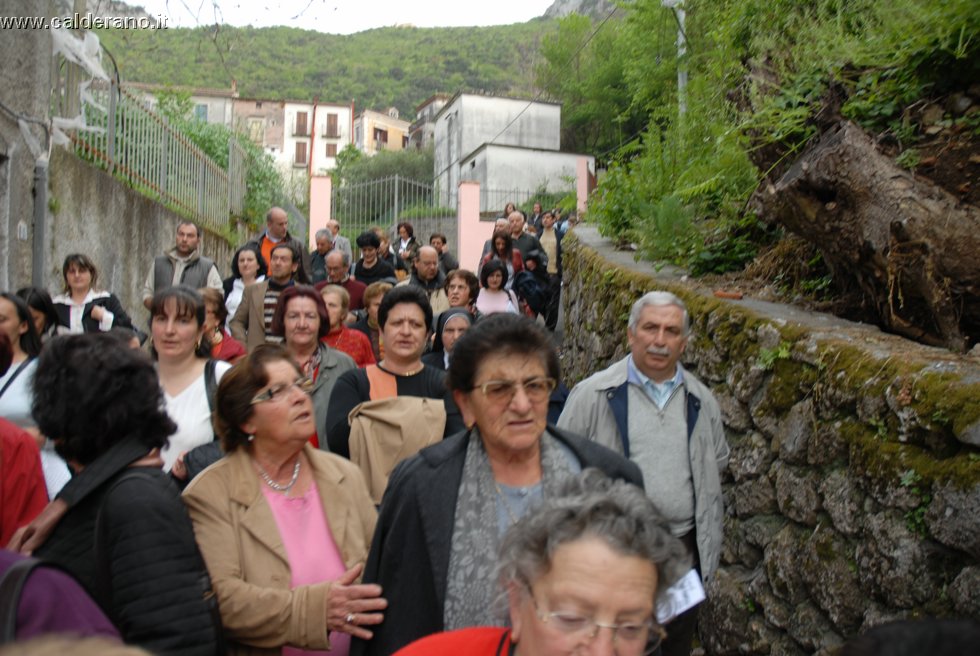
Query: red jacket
point(22, 491)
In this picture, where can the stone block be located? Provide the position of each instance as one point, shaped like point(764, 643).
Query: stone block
point(970, 434)
point(794, 432)
point(768, 336)
point(776, 611)
point(965, 592)
point(761, 529)
point(827, 444)
point(797, 493)
point(896, 564)
point(782, 562)
point(746, 381)
point(842, 499)
point(811, 630)
point(735, 548)
point(830, 574)
point(953, 517)
point(754, 497)
point(834, 396)
point(724, 617)
point(733, 413)
point(751, 457)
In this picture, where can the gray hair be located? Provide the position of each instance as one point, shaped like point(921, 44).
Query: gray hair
point(323, 232)
point(658, 299)
point(342, 254)
point(592, 505)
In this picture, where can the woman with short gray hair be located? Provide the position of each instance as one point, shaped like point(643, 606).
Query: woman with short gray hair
point(590, 558)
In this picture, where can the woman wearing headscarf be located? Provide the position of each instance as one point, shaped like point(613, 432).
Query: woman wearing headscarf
point(450, 326)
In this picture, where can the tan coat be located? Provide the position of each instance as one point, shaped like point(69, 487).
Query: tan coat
point(248, 324)
point(238, 537)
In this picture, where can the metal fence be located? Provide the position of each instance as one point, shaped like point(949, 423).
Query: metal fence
point(134, 143)
point(387, 202)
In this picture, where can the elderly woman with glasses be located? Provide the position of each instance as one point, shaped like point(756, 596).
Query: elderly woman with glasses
point(283, 526)
point(446, 509)
point(582, 573)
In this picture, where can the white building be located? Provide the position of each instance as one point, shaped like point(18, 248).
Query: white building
point(504, 144)
point(314, 133)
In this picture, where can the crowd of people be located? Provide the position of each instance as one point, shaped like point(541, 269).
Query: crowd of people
point(362, 457)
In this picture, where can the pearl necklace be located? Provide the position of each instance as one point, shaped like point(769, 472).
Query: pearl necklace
point(278, 487)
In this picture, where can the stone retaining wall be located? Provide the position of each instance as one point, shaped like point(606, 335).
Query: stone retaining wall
point(853, 492)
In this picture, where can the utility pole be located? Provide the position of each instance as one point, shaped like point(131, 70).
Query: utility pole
point(677, 6)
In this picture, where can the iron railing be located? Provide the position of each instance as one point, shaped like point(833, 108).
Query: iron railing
point(134, 143)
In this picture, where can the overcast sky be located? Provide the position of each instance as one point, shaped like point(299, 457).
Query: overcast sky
point(345, 16)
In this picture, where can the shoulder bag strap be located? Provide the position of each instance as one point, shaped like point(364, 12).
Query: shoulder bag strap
point(14, 375)
point(11, 586)
point(210, 382)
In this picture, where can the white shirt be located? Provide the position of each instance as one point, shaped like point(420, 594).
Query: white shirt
point(235, 298)
point(191, 413)
point(76, 310)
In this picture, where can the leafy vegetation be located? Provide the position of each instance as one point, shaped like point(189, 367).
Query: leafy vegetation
point(760, 71)
point(391, 66)
point(264, 185)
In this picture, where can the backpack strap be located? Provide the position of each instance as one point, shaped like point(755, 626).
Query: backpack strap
point(14, 375)
point(11, 586)
point(383, 385)
point(210, 382)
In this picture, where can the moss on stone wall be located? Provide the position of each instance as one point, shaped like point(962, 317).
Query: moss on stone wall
point(882, 432)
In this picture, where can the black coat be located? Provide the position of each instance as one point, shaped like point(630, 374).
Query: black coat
point(409, 554)
point(103, 299)
point(151, 579)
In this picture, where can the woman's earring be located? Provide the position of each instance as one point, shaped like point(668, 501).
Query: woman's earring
point(251, 438)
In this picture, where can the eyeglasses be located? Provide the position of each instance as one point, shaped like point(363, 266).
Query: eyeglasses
point(630, 638)
point(503, 391)
point(280, 392)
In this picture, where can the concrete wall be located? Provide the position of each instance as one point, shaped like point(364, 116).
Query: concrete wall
point(507, 167)
point(25, 83)
point(852, 491)
point(121, 230)
point(470, 121)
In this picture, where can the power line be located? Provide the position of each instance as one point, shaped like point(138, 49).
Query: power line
point(561, 70)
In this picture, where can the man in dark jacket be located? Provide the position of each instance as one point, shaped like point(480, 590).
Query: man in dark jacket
point(183, 265)
point(277, 231)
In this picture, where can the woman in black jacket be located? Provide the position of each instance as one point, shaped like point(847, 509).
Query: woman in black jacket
point(81, 309)
point(119, 525)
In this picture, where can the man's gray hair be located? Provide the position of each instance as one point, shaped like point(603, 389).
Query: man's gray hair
point(658, 299)
point(342, 254)
point(591, 505)
point(326, 234)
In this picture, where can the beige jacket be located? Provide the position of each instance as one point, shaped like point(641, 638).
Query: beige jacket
point(248, 324)
point(238, 537)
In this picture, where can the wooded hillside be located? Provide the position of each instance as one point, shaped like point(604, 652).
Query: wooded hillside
point(391, 66)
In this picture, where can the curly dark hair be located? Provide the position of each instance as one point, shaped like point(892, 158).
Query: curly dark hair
point(233, 400)
point(187, 303)
point(278, 326)
point(253, 247)
point(408, 228)
point(91, 392)
point(502, 333)
point(404, 294)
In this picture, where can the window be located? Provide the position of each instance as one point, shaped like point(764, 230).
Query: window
point(300, 159)
point(380, 137)
point(301, 129)
point(201, 112)
point(404, 142)
point(331, 150)
point(332, 130)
